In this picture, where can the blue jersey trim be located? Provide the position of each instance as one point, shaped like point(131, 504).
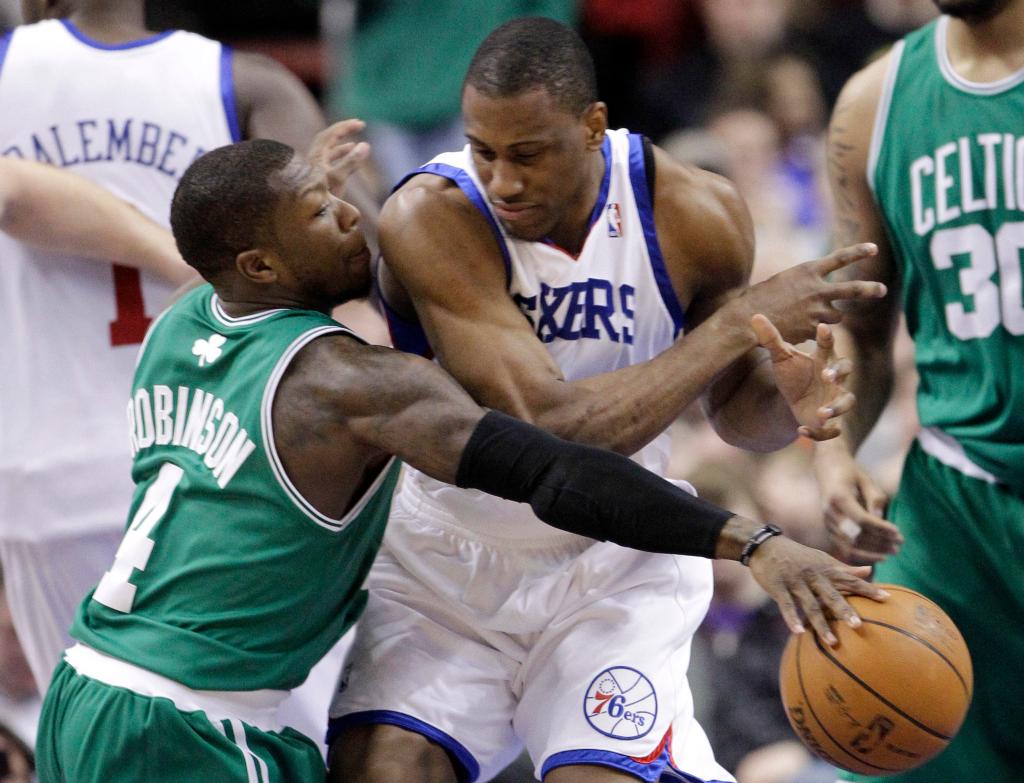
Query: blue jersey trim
point(649, 771)
point(83, 38)
point(602, 194)
point(5, 42)
point(227, 92)
point(467, 769)
point(461, 178)
point(672, 773)
point(638, 178)
point(406, 335)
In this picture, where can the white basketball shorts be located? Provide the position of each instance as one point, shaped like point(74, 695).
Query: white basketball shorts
point(579, 653)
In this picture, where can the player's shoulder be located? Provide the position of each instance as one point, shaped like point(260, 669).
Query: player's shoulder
point(693, 193)
point(700, 209)
point(429, 200)
point(860, 95)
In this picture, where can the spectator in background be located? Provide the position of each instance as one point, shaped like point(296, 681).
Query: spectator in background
point(725, 60)
point(402, 71)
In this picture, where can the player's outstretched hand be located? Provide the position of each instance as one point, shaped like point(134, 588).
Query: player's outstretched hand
point(812, 385)
point(853, 507)
point(797, 299)
point(810, 585)
point(334, 151)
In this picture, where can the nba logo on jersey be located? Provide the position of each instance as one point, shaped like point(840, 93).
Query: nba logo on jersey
point(614, 220)
point(621, 703)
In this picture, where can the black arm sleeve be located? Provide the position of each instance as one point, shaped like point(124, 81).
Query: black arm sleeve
point(595, 493)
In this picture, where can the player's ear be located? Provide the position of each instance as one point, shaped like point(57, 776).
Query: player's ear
point(595, 120)
point(257, 265)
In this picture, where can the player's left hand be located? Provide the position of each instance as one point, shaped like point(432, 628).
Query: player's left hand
point(809, 583)
point(812, 386)
point(337, 154)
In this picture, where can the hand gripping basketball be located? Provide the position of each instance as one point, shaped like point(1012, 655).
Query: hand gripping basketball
point(890, 696)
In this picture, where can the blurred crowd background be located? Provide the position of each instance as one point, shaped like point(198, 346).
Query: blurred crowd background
point(741, 87)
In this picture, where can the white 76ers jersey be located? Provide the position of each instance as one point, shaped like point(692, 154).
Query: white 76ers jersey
point(610, 307)
point(130, 117)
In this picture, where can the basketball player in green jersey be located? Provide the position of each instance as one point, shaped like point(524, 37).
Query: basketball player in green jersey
point(263, 435)
point(926, 154)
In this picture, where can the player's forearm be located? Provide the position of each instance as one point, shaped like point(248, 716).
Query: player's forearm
point(594, 493)
point(871, 382)
point(64, 213)
point(746, 409)
point(626, 409)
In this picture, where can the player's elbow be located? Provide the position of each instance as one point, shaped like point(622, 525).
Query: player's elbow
point(761, 432)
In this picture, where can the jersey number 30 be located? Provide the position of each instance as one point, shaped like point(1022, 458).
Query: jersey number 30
point(115, 590)
point(992, 303)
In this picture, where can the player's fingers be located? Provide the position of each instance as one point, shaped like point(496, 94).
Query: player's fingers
point(824, 432)
point(834, 601)
point(845, 256)
point(790, 614)
point(812, 610)
point(837, 371)
point(840, 404)
point(856, 289)
point(340, 129)
point(770, 338)
point(875, 499)
point(824, 337)
point(852, 580)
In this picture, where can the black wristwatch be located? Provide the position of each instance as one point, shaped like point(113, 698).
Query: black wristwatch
point(758, 537)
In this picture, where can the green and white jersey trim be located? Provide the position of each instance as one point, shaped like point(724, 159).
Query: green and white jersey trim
point(959, 82)
point(947, 450)
point(220, 314)
point(882, 111)
point(258, 708)
point(269, 443)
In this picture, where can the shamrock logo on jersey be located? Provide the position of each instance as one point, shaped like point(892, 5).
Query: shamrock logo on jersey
point(209, 350)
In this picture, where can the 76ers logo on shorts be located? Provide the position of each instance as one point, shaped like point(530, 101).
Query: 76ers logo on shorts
point(621, 703)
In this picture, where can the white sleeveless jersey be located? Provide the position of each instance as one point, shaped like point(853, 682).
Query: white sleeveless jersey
point(611, 307)
point(130, 117)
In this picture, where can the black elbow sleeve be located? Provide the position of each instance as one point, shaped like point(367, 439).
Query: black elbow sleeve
point(587, 491)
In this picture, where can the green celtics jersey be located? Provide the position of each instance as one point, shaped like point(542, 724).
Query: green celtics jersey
point(947, 169)
point(227, 578)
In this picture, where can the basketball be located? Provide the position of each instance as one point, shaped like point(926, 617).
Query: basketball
point(890, 696)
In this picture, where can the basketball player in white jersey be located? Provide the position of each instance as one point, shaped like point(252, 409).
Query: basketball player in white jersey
point(554, 266)
point(88, 88)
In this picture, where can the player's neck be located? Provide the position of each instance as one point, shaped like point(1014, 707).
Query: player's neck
point(240, 300)
point(111, 23)
point(988, 50)
point(572, 232)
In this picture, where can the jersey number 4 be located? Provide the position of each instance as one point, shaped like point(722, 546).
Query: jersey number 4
point(115, 590)
point(993, 303)
point(132, 322)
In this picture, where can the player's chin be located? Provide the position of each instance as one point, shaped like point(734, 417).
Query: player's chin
point(532, 231)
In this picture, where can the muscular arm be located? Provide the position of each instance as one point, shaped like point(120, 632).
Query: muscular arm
point(866, 333)
point(343, 406)
point(64, 213)
point(708, 243)
point(443, 253)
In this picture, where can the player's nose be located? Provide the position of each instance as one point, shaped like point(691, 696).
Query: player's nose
point(347, 215)
point(506, 181)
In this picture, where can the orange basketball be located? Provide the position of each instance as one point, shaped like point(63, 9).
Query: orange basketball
point(890, 696)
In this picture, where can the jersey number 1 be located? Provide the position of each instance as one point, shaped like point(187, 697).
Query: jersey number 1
point(115, 590)
point(132, 321)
